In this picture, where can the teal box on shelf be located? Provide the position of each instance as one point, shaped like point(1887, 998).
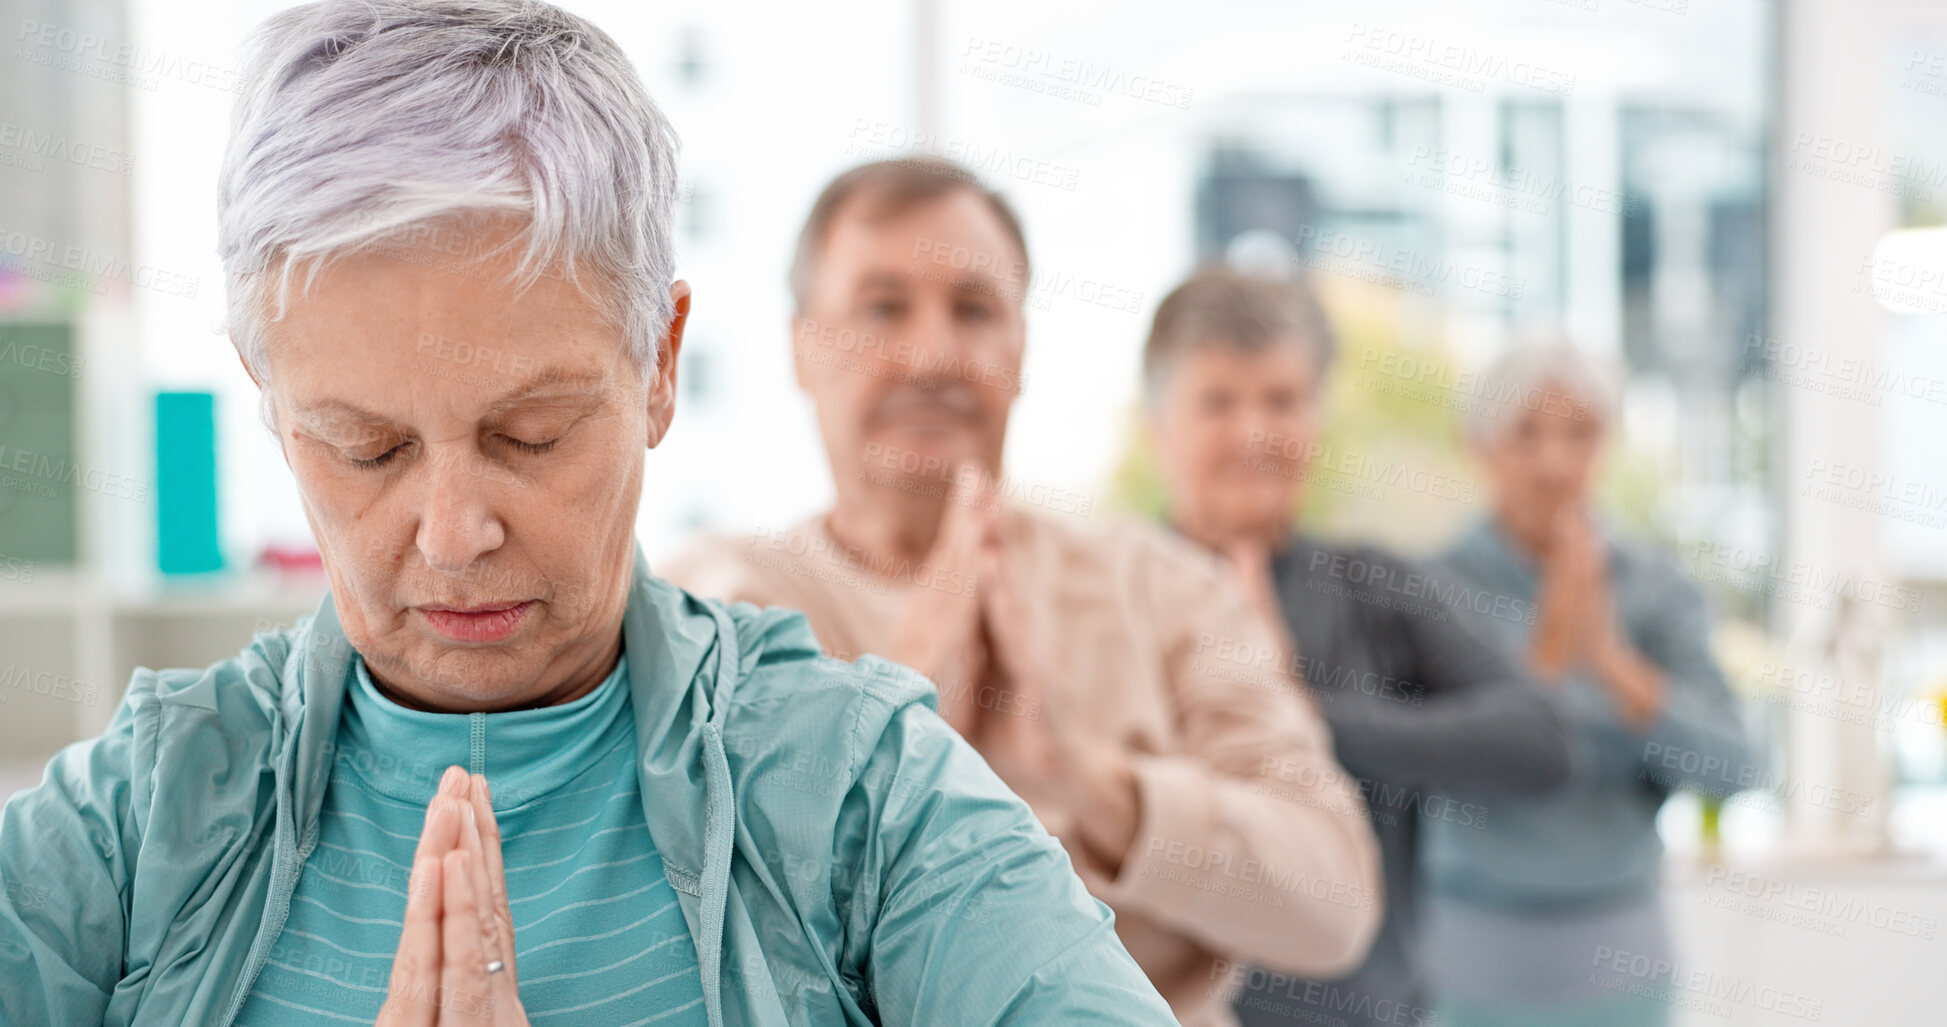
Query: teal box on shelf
point(187, 540)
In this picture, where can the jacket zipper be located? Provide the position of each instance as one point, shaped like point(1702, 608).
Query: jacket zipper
point(283, 881)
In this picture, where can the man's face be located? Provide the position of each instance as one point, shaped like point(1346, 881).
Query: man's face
point(471, 464)
point(910, 344)
point(1231, 430)
point(1543, 461)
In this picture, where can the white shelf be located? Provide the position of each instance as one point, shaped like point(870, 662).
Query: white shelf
point(71, 642)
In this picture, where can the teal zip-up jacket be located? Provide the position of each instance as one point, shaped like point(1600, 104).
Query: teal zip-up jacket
point(841, 856)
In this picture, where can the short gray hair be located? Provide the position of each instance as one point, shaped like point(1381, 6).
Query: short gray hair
point(890, 188)
point(360, 124)
point(1221, 305)
point(1548, 376)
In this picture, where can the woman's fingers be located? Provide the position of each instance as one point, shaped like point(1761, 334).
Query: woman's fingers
point(441, 834)
point(476, 857)
point(464, 989)
point(410, 994)
point(496, 869)
point(495, 940)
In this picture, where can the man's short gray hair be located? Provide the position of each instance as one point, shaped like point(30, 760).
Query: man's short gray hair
point(361, 125)
point(1552, 376)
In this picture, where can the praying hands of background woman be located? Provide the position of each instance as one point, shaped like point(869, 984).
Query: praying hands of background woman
point(1577, 626)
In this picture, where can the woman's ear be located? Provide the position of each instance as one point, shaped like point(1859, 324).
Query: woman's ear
point(662, 388)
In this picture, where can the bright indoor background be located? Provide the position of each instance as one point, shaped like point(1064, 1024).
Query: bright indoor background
point(1732, 197)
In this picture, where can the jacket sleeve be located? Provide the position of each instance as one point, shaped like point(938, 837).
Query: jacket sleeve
point(1698, 740)
point(964, 910)
point(66, 871)
point(1251, 838)
point(1479, 722)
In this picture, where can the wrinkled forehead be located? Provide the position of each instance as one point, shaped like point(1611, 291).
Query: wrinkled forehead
point(319, 403)
point(407, 322)
point(954, 239)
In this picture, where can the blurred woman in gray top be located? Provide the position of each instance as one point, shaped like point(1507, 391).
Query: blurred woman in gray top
point(1549, 914)
point(1433, 720)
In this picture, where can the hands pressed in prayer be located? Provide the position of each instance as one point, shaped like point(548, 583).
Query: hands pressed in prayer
point(457, 921)
point(1024, 730)
point(1577, 626)
point(1572, 597)
point(989, 661)
point(939, 631)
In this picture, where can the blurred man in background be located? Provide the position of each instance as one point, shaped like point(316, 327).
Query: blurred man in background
point(1112, 675)
point(1428, 714)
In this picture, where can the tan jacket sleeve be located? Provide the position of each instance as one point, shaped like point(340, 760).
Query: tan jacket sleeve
point(1252, 839)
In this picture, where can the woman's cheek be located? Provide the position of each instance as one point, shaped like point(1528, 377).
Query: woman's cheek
point(330, 486)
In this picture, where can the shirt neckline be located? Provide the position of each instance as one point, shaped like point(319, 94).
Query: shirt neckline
point(401, 752)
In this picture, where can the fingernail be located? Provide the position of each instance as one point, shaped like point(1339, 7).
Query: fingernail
point(453, 780)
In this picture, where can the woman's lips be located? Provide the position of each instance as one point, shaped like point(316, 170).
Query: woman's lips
point(490, 623)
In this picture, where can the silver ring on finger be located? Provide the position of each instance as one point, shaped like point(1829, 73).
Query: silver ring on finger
point(496, 966)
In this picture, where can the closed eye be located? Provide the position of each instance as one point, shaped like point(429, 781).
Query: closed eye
point(381, 460)
point(530, 447)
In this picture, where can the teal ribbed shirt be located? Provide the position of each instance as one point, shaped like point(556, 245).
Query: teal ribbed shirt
point(598, 936)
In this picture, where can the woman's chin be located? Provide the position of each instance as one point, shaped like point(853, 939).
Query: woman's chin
point(460, 674)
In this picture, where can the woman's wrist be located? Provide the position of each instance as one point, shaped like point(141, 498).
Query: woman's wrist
point(1638, 685)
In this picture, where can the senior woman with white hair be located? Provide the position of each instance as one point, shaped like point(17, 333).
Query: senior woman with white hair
point(1545, 913)
point(504, 775)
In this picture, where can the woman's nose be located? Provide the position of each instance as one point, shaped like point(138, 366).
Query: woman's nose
point(457, 520)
